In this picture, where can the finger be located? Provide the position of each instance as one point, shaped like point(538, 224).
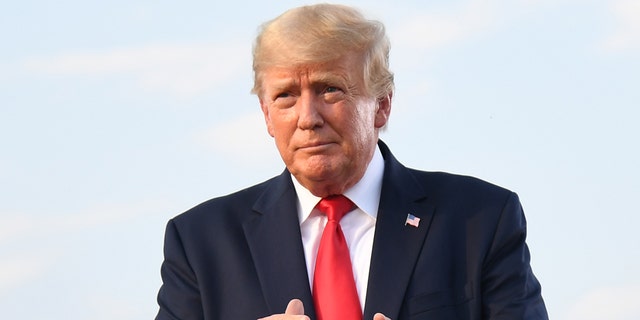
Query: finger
point(295, 307)
point(380, 316)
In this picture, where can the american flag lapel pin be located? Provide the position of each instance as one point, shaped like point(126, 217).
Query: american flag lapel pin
point(412, 220)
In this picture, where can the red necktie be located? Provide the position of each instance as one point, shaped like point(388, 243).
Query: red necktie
point(334, 289)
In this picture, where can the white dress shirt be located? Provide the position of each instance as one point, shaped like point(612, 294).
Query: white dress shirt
point(358, 225)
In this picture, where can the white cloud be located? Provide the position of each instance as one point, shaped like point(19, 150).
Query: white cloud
point(611, 303)
point(627, 32)
point(184, 70)
point(244, 138)
point(433, 30)
point(18, 270)
point(34, 240)
point(442, 29)
point(24, 226)
point(15, 224)
point(109, 307)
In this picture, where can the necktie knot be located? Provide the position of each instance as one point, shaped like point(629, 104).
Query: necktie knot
point(335, 207)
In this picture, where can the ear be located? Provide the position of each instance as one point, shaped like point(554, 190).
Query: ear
point(383, 110)
point(267, 117)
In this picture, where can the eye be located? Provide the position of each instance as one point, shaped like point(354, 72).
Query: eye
point(333, 94)
point(332, 89)
point(283, 95)
point(283, 100)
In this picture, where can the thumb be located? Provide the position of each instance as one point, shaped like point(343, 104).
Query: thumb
point(295, 307)
point(380, 316)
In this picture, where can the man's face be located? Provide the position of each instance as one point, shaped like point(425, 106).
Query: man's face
point(324, 122)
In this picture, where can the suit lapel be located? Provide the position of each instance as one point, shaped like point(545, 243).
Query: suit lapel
point(274, 239)
point(273, 236)
point(396, 246)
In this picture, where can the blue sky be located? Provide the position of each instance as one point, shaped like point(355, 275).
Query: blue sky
point(116, 116)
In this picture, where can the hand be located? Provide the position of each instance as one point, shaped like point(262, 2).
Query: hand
point(380, 316)
point(295, 311)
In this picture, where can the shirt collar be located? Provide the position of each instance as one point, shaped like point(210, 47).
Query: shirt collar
point(365, 194)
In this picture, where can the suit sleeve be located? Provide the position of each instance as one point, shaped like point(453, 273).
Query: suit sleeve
point(509, 288)
point(179, 296)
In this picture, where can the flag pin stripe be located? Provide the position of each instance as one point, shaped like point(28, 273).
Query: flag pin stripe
point(412, 220)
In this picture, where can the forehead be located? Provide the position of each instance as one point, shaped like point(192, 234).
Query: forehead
point(347, 68)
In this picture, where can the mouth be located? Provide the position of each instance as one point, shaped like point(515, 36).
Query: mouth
point(316, 146)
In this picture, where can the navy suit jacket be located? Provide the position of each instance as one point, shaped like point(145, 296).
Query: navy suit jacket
point(241, 257)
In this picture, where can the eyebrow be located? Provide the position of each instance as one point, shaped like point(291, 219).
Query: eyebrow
point(315, 78)
point(330, 77)
point(283, 84)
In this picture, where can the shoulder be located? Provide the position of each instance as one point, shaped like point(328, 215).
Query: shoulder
point(461, 190)
point(224, 210)
point(441, 188)
point(435, 180)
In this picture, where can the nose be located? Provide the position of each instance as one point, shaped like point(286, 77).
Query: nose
point(309, 116)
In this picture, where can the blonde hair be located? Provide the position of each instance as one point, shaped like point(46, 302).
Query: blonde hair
point(321, 33)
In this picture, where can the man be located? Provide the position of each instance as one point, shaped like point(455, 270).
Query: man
point(418, 245)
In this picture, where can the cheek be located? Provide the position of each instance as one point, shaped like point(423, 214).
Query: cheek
point(362, 128)
point(362, 120)
point(282, 125)
point(267, 117)
point(269, 126)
